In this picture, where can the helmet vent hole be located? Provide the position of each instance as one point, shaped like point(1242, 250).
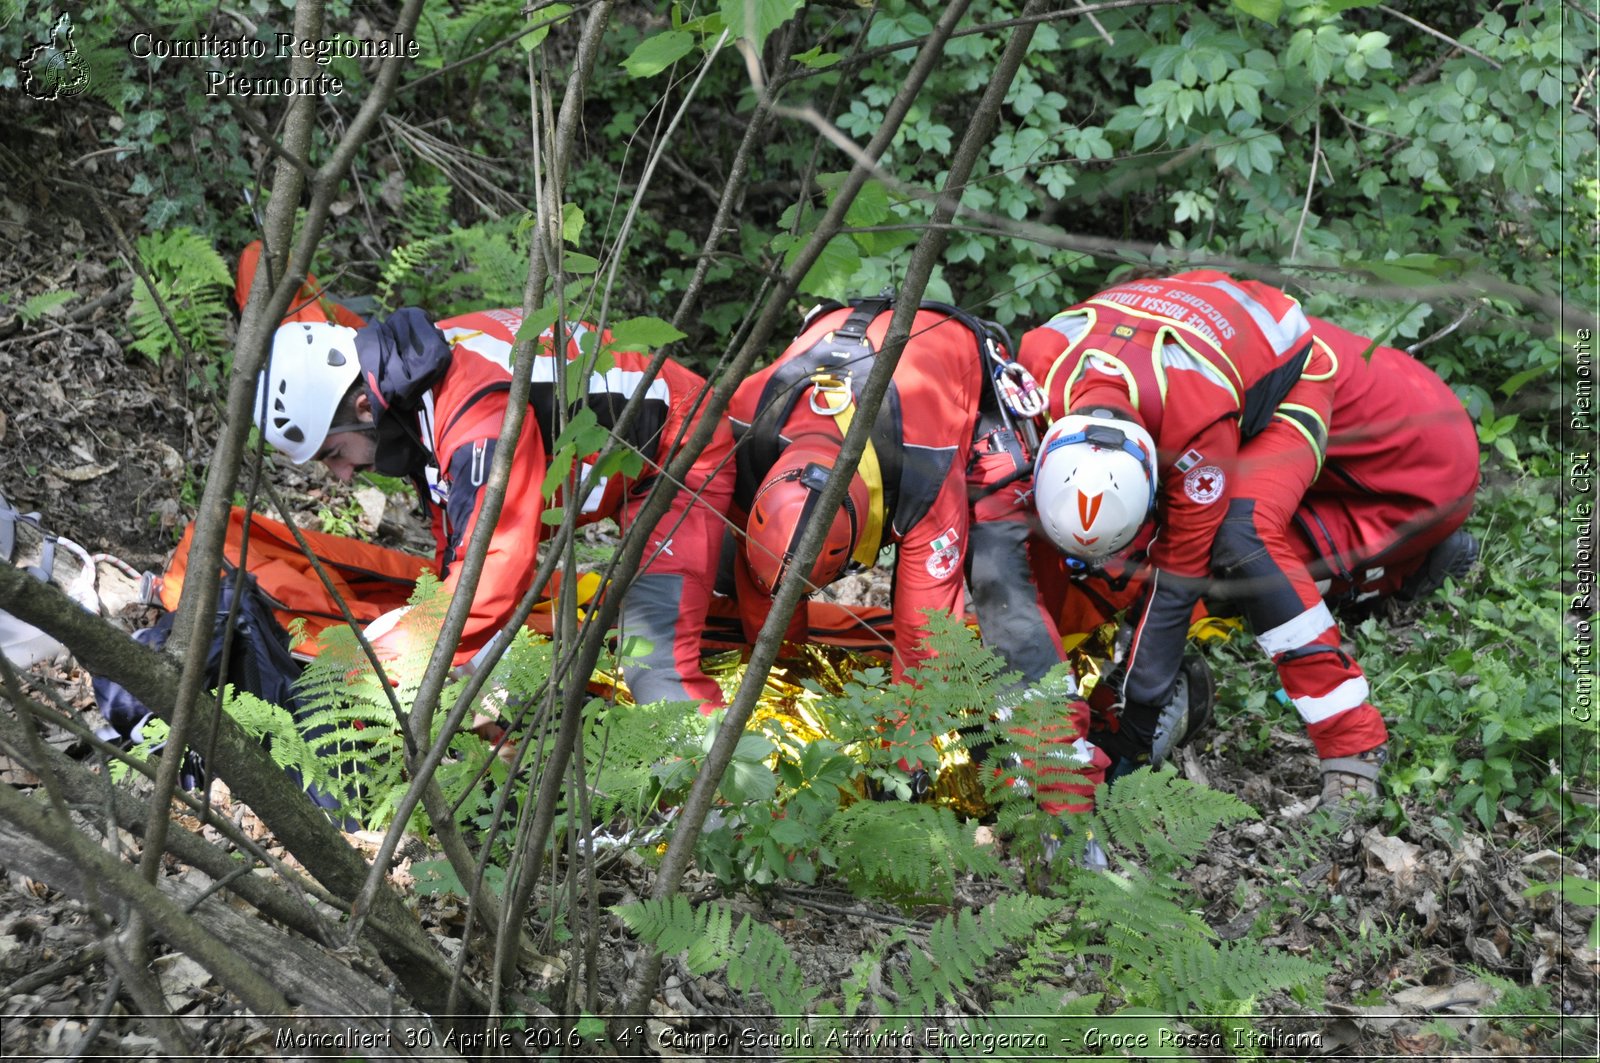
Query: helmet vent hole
point(335, 358)
point(294, 435)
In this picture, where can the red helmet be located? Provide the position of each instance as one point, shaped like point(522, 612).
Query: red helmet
point(783, 508)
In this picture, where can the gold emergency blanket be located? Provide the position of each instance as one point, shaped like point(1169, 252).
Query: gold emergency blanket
point(786, 701)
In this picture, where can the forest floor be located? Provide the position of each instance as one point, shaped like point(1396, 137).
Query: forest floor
point(1438, 951)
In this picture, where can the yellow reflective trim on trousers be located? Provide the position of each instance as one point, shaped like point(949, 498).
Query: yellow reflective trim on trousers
point(871, 537)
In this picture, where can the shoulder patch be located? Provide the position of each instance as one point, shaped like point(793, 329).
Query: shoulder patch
point(1205, 484)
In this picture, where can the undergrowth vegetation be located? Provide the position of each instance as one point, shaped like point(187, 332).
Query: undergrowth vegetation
point(1432, 190)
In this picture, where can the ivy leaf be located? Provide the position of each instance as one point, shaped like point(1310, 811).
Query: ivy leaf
point(643, 334)
point(654, 54)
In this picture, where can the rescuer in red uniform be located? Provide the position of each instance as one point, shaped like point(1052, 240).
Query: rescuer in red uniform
point(406, 397)
point(945, 480)
point(1252, 451)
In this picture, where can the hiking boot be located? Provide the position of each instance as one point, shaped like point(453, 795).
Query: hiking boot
point(1349, 782)
point(1453, 558)
point(1187, 713)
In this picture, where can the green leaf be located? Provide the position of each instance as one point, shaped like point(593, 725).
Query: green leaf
point(829, 276)
point(627, 461)
point(816, 58)
point(583, 434)
point(870, 206)
point(1514, 384)
point(753, 747)
point(654, 54)
point(634, 648)
point(643, 334)
point(790, 832)
point(554, 476)
point(571, 223)
point(748, 781)
point(754, 20)
point(534, 325)
point(573, 262)
point(545, 18)
point(1265, 10)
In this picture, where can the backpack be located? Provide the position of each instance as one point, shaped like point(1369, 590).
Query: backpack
point(259, 662)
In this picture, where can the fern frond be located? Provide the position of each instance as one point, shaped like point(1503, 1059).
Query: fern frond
point(190, 279)
point(1165, 816)
point(914, 851)
point(960, 946)
point(762, 961)
point(37, 306)
point(1201, 977)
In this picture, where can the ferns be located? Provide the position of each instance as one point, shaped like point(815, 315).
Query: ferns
point(451, 270)
point(907, 852)
point(960, 946)
point(191, 280)
point(345, 739)
point(634, 752)
point(1158, 953)
point(37, 306)
point(1200, 976)
point(1163, 816)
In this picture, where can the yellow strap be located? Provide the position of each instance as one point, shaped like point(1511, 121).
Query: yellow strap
point(830, 389)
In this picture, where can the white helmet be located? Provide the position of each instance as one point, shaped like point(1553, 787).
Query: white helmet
point(313, 364)
point(1094, 483)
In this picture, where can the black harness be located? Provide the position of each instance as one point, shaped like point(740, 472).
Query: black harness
point(911, 476)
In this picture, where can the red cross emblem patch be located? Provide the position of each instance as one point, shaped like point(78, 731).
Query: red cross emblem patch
point(1205, 484)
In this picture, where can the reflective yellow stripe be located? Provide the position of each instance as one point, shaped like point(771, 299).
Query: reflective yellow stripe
point(1106, 363)
point(1316, 448)
point(1333, 362)
point(1055, 366)
point(1168, 336)
point(871, 537)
